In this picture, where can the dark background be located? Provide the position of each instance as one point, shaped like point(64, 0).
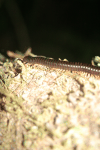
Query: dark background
point(54, 28)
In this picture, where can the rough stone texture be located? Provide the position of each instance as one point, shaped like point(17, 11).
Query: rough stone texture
point(43, 108)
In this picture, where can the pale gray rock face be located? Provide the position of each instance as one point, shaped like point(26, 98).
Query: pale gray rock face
point(45, 107)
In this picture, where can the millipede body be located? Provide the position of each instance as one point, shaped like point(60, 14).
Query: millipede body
point(59, 64)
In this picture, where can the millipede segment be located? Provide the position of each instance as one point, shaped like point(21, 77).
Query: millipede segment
point(59, 64)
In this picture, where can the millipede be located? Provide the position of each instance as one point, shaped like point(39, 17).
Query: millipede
point(60, 64)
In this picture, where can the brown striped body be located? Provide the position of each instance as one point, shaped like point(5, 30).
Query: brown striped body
point(70, 66)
